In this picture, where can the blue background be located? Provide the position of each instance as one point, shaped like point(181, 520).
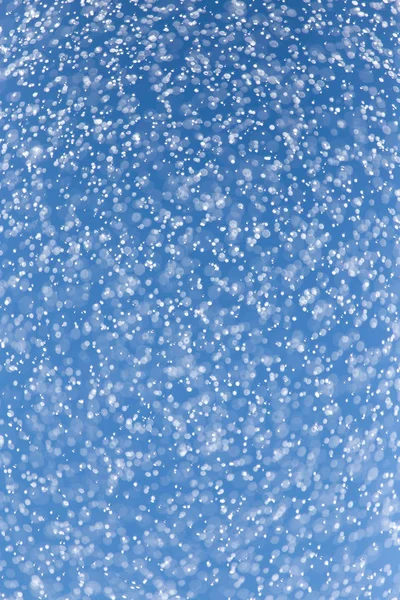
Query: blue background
point(199, 300)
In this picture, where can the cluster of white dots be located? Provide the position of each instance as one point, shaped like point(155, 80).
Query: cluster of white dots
point(199, 290)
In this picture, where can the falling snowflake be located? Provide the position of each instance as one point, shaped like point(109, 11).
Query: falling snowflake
point(199, 287)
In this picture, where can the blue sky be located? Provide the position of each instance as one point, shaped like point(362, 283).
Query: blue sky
point(199, 300)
